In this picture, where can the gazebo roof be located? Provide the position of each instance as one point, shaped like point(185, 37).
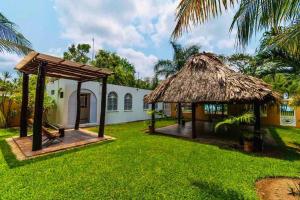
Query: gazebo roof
point(205, 79)
point(60, 68)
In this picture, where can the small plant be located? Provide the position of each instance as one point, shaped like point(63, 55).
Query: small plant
point(246, 118)
point(294, 190)
point(160, 114)
point(248, 136)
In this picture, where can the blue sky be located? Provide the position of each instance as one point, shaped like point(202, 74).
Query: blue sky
point(136, 29)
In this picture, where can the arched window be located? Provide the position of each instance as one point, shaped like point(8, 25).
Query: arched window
point(145, 105)
point(128, 102)
point(112, 102)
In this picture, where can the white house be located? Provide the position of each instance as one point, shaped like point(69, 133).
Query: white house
point(124, 104)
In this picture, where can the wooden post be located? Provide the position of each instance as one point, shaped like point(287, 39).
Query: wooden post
point(24, 107)
point(257, 117)
point(77, 122)
point(179, 113)
point(153, 118)
point(103, 107)
point(194, 120)
point(257, 140)
point(38, 108)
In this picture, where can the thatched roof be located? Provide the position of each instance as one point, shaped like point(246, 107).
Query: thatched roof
point(205, 78)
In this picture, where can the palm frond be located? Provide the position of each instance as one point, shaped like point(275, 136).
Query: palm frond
point(246, 118)
point(164, 68)
point(197, 12)
point(289, 39)
point(256, 15)
point(10, 39)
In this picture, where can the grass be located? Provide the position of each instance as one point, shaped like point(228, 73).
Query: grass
point(286, 136)
point(139, 166)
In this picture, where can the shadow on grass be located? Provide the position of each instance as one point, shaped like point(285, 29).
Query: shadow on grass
point(216, 190)
point(12, 162)
point(281, 151)
point(289, 153)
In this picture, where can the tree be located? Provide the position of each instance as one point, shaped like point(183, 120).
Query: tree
point(78, 53)
point(123, 70)
point(283, 61)
point(181, 54)
point(244, 63)
point(251, 17)
point(11, 40)
point(284, 83)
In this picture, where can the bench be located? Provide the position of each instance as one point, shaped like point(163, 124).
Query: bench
point(52, 136)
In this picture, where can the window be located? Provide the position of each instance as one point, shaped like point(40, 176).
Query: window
point(145, 105)
point(263, 109)
point(112, 103)
point(61, 95)
point(186, 107)
point(128, 102)
point(52, 92)
point(215, 109)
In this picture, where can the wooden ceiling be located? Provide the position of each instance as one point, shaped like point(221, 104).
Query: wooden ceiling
point(60, 68)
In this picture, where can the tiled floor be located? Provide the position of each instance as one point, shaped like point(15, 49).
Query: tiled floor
point(72, 139)
point(186, 131)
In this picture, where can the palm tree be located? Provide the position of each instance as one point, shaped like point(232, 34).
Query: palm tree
point(181, 54)
point(281, 60)
point(251, 17)
point(11, 40)
point(169, 67)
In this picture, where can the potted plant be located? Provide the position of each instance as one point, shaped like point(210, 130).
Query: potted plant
point(248, 141)
point(149, 125)
point(246, 138)
point(160, 115)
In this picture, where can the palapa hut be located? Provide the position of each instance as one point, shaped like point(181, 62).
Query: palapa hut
point(206, 79)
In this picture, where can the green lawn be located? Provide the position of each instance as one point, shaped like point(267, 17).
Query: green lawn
point(141, 166)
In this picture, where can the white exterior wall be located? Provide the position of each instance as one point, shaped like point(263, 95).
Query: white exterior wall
point(65, 112)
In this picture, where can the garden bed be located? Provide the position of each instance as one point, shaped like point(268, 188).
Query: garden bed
point(278, 188)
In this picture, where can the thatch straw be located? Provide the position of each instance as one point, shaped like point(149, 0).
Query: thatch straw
point(204, 79)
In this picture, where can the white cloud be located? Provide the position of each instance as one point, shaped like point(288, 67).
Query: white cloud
point(58, 52)
point(143, 63)
point(213, 35)
point(116, 23)
point(124, 26)
point(8, 62)
point(226, 43)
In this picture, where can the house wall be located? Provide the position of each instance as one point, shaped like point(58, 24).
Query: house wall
point(297, 112)
point(65, 112)
point(272, 117)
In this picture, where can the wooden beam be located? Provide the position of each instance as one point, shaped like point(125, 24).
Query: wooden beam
point(103, 107)
point(58, 68)
point(24, 107)
point(77, 122)
point(23, 63)
point(38, 108)
point(194, 135)
point(153, 117)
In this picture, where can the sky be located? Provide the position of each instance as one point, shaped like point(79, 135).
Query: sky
point(138, 30)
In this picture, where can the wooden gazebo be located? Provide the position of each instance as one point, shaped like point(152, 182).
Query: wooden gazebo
point(206, 79)
point(45, 65)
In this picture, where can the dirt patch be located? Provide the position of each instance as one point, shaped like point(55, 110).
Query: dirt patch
point(276, 188)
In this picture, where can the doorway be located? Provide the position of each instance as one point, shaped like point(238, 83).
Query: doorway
point(287, 115)
point(85, 107)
